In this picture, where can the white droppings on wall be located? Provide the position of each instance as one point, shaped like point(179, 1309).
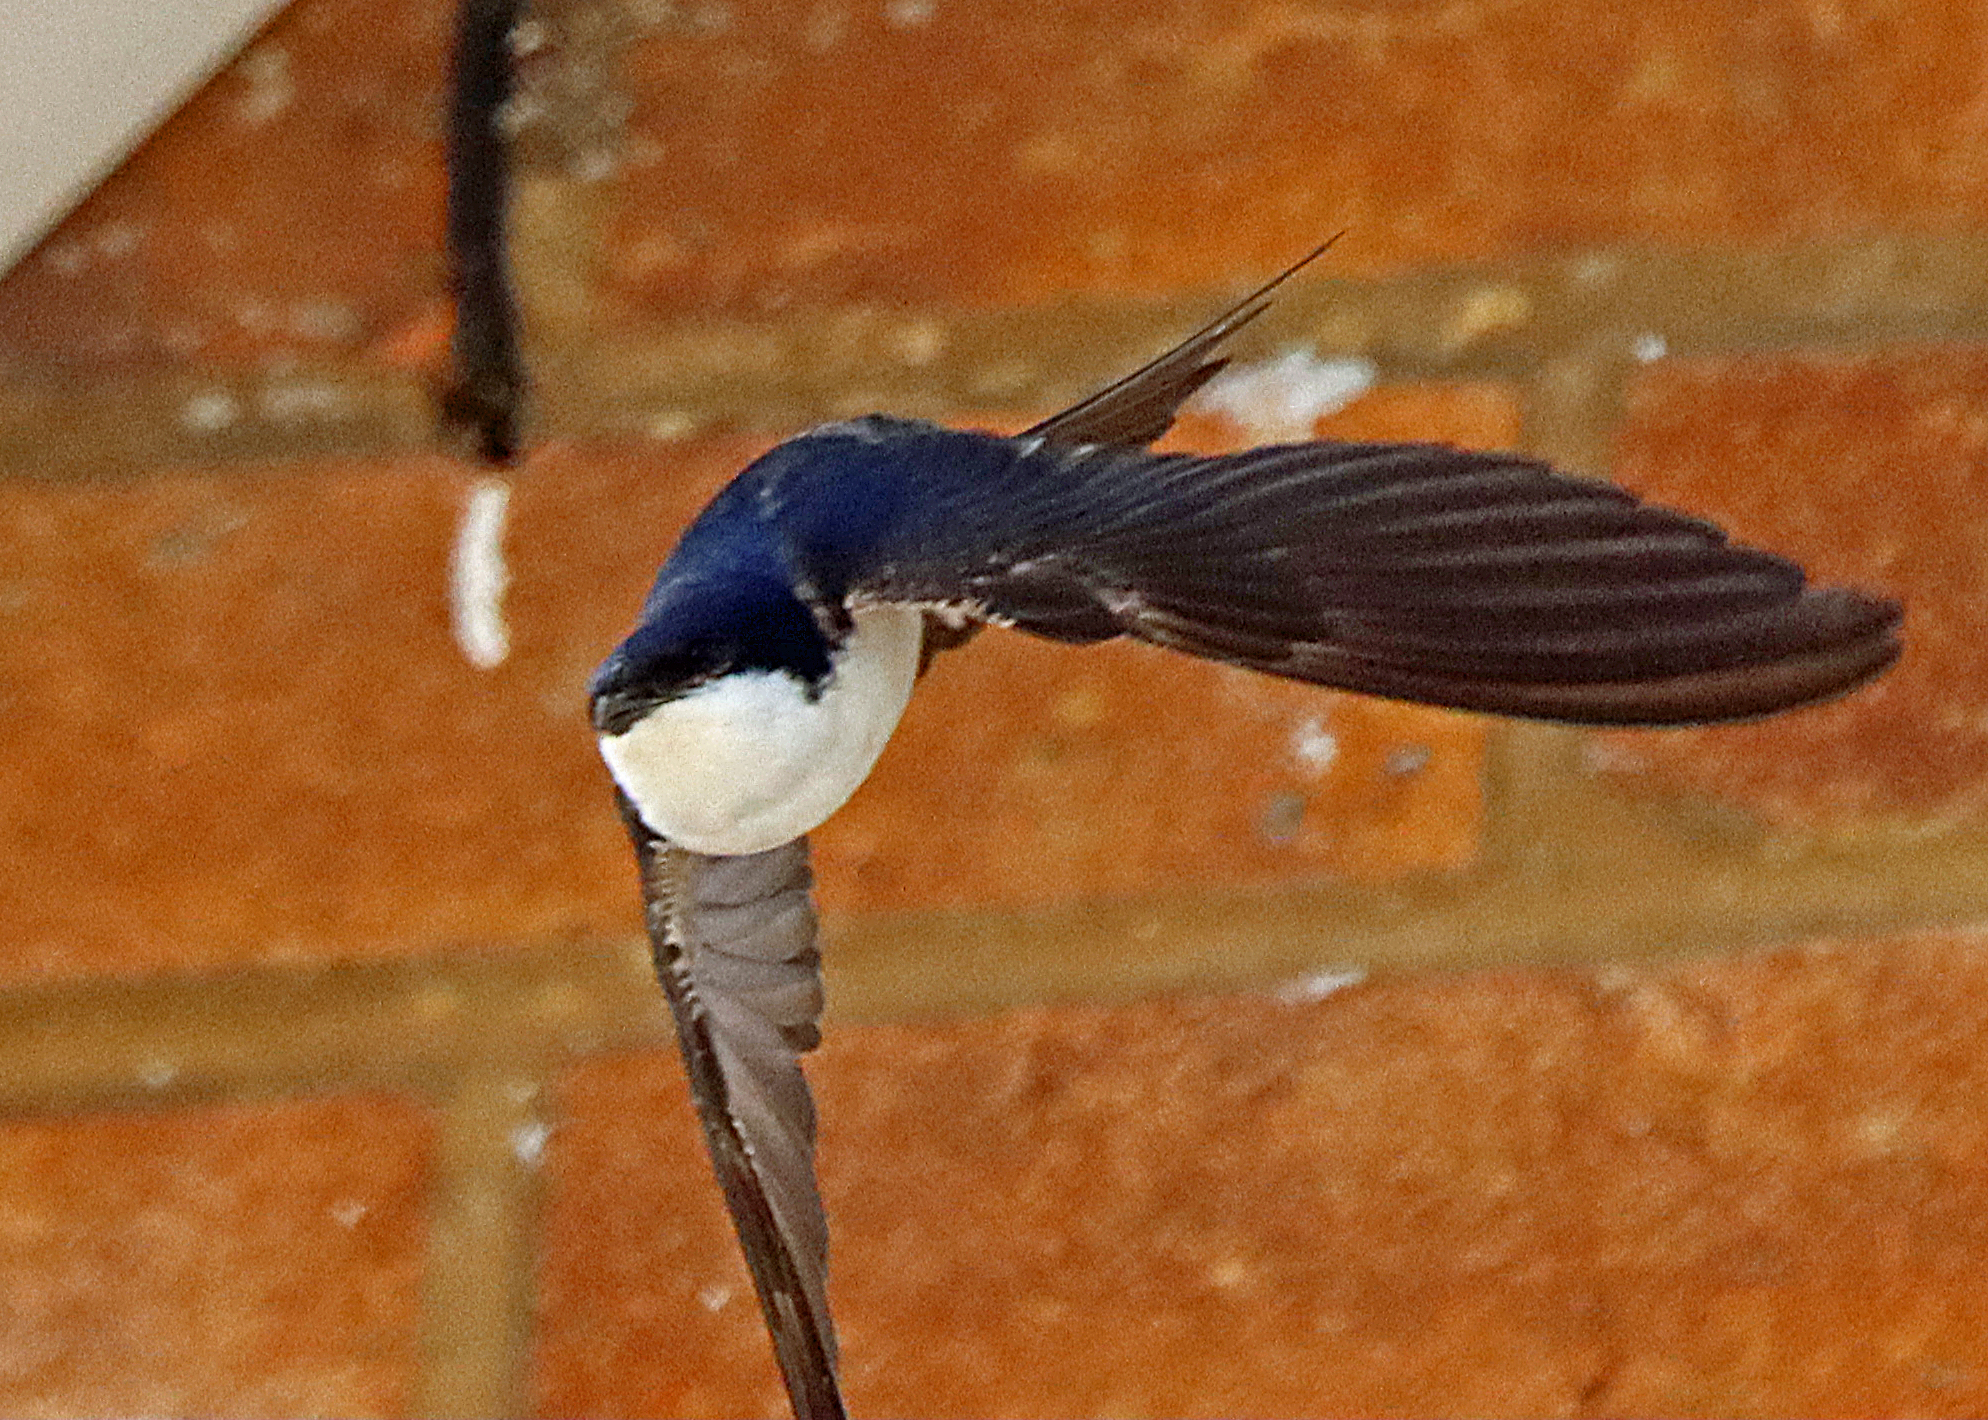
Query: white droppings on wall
point(909, 14)
point(184, 338)
point(255, 317)
point(1651, 347)
point(919, 342)
point(528, 37)
point(593, 165)
point(66, 258)
point(209, 413)
point(478, 577)
point(528, 1142)
point(670, 425)
point(1484, 314)
point(266, 72)
point(1404, 760)
point(518, 113)
point(1313, 746)
point(713, 17)
point(1317, 985)
point(1278, 401)
point(117, 240)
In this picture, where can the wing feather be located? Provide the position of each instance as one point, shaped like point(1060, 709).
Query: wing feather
point(1482, 581)
point(735, 949)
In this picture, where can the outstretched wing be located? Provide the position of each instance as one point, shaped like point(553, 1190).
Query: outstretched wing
point(1481, 581)
point(735, 948)
point(1478, 581)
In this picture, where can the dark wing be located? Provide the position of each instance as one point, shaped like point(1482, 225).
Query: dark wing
point(1481, 581)
point(734, 943)
point(1139, 408)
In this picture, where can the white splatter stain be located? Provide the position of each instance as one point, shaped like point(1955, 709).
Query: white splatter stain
point(255, 317)
point(1404, 760)
point(594, 165)
point(117, 240)
point(1313, 746)
point(1278, 401)
point(1651, 347)
point(209, 413)
point(909, 14)
point(1230, 1273)
point(348, 1213)
point(528, 1142)
point(1317, 985)
point(266, 72)
point(478, 576)
point(66, 258)
point(670, 425)
point(528, 37)
point(919, 343)
point(518, 113)
point(716, 1297)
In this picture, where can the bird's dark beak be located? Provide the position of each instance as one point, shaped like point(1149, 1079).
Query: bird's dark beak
point(613, 712)
point(615, 703)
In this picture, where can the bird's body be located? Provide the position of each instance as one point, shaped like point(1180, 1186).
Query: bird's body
point(780, 644)
point(754, 759)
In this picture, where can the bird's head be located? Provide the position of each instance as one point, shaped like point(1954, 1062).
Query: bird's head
point(695, 632)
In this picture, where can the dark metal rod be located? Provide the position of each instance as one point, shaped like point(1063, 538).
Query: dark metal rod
point(487, 382)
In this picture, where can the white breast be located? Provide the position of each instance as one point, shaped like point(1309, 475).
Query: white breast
point(748, 762)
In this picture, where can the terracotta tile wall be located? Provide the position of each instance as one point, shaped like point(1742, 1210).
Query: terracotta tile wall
point(1200, 1045)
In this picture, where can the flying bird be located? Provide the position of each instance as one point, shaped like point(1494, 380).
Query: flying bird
point(782, 638)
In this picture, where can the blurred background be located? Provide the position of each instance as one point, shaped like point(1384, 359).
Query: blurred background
point(1198, 1044)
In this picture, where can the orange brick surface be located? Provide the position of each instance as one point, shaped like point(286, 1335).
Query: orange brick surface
point(1870, 469)
point(242, 731)
point(239, 1260)
point(1754, 1186)
point(797, 155)
point(293, 208)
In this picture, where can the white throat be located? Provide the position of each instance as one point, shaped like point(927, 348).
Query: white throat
point(749, 762)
